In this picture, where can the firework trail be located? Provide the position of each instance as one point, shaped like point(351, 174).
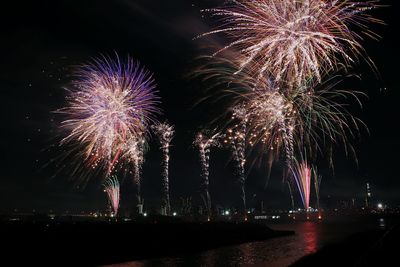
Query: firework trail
point(302, 175)
point(317, 184)
point(204, 141)
point(111, 187)
point(109, 102)
point(236, 138)
point(290, 193)
point(165, 133)
point(134, 155)
point(294, 40)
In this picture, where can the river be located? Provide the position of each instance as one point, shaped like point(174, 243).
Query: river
point(283, 251)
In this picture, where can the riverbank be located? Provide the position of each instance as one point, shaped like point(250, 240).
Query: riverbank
point(99, 243)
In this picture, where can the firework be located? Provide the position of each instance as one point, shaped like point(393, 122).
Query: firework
point(272, 121)
point(294, 40)
point(236, 138)
point(279, 120)
point(165, 133)
point(204, 141)
point(283, 52)
point(305, 118)
point(134, 156)
point(109, 102)
point(111, 187)
point(302, 176)
point(322, 118)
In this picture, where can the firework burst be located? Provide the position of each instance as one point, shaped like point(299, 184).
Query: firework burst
point(205, 141)
point(111, 187)
point(294, 40)
point(279, 120)
point(109, 103)
point(165, 133)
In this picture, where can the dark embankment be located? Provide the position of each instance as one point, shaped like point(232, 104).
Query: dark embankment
point(97, 243)
point(371, 248)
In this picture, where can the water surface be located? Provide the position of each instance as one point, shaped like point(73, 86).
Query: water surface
point(277, 252)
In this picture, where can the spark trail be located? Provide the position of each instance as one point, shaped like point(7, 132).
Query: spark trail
point(111, 187)
point(205, 141)
point(236, 138)
point(165, 133)
point(302, 175)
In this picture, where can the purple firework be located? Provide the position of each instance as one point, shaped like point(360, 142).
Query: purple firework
point(110, 101)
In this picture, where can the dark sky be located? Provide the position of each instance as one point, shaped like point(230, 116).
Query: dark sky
point(42, 40)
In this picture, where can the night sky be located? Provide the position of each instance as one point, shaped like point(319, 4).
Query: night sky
point(41, 41)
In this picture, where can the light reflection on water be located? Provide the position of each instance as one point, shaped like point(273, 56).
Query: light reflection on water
point(309, 237)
